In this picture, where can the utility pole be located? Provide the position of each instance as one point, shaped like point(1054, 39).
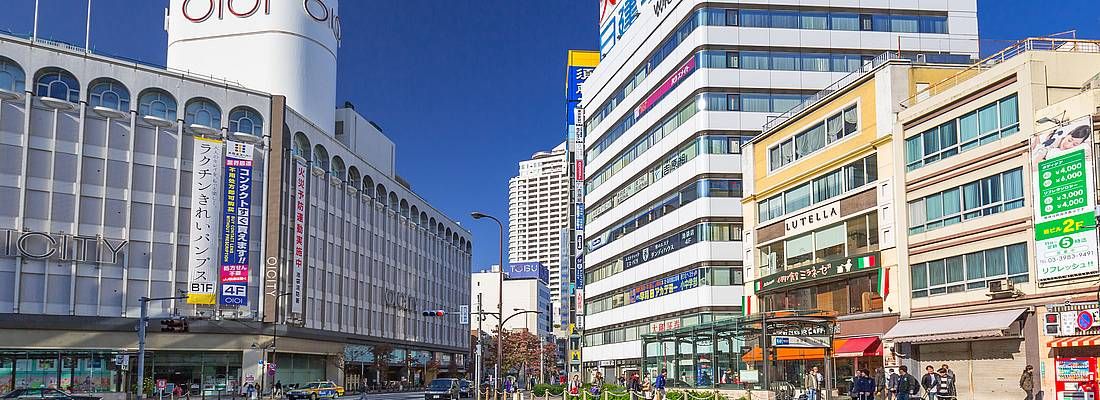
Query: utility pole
point(477, 370)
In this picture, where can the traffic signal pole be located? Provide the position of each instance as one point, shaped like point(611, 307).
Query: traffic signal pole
point(141, 339)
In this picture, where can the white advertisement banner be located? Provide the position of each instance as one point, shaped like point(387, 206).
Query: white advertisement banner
point(1065, 202)
point(299, 245)
point(204, 251)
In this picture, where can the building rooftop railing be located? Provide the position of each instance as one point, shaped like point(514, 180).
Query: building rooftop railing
point(1020, 47)
point(853, 76)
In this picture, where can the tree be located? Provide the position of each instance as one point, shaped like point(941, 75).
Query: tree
point(521, 348)
point(383, 356)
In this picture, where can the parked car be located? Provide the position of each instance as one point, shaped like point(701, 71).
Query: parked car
point(316, 390)
point(442, 389)
point(45, 393)
point(465, 388)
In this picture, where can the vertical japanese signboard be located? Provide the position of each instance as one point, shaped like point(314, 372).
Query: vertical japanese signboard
point(235, 222)
point(206, 182)
point(1065, 202)
point(579, 66)
point(299, 245)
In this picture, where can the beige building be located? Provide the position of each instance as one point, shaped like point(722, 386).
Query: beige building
point(976, 284)
point(538, 210)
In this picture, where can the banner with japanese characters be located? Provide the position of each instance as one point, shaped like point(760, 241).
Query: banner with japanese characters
point(206, 187)
point(299, 245)
point(1065, 202)
point(237, 209)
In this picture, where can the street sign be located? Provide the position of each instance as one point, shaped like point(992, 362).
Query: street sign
point(464, 314)
point(801, 341)
point(575, 357)
point(162, 384)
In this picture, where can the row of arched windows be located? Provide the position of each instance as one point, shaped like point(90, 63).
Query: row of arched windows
point(108, 93)
point(319, 157)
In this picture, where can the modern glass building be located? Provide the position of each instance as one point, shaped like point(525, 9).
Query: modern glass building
point(293, 249)
point(681, 86)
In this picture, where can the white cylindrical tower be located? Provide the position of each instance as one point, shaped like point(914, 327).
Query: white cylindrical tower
point(285, 47)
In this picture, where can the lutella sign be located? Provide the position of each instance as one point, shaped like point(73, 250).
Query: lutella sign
point(61, 246)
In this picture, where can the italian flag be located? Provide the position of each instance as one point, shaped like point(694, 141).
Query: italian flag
point(883, 287)
point(746, 305)
point(865, 262)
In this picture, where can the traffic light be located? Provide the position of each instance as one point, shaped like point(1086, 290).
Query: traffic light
point(434, 313)
point(1051, 323)
point(174, 325)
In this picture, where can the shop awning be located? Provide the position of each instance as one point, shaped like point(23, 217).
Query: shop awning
point(1075, 341)
point(954, 327)
point(859, 347)
point(791, 353)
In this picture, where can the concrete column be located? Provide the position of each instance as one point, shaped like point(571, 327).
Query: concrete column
point(252, 365)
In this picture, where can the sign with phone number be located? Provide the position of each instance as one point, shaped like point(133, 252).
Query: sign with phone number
point(666, 286)
point(1065, 220)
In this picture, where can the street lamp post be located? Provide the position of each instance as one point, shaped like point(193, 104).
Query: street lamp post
point(141, 338)
point(274, 339)
point(500, 294)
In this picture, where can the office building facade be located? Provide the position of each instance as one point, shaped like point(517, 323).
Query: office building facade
point(525, 289)
point(538, 210)
point(681, 87)
point(263, 227)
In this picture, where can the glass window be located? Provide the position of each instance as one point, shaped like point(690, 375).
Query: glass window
point(783, 102)
point(828, 186)
point(731, 17)
point(933, 24)
point(830, 243)
point(850, 120)
point(787, 149)
point(246, 120)
point(814, 20)
point(754, 18)
point(937, 274)
point(844, 21)
point(905, 24)
point(955, 272)
point(968, 130)
point(12, 77)
point(919, 275)
point(782, 61)
point(815, 62)
point(987, 121)
point(797, 198)
point(880, 22)
point(952, 206)
point(800, 250)
point(109, 94)
point(1017, 259)
point(995, 262)
point(771, 255)
point(58, 84)
point(914, 152)
point(755, 102)
point(158, 104)
point(784, 19)
point(203, 112)
point(1010, 115)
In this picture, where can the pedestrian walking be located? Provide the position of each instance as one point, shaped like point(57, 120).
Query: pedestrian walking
point(891, 385)
point(880, 384)
point(279, 388)
point(907, 385)
point(659, 385)
point(647, 387)
point(811, 384)
point(951, 376)
point(622, 379)
point(863, 386)
point(930, 382)
point(575, 386)
point(1027, 382)
point(946, 386)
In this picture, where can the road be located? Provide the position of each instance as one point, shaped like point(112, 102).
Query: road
point(387, 396)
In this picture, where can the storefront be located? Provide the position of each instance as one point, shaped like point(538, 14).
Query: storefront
point(985, 350)
point(79, 372)
point(1074, 348)
point(727, 354)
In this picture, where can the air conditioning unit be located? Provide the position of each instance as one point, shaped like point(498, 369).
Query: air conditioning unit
point(1001, 288)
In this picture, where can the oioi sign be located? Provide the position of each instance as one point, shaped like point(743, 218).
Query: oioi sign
point(202, 10)
point(1065, 201)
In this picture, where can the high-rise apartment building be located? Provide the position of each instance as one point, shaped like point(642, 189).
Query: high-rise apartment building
point(538, 209)
point(681, 86)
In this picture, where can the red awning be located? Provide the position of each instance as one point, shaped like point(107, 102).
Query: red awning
point(860, 347)
point(1075, 341)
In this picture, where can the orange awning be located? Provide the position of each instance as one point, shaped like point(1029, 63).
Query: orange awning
point(1075, 341)
point(859, 347)
point(792, 353)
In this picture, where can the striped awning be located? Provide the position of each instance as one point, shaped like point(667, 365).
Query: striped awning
point(1075, 341)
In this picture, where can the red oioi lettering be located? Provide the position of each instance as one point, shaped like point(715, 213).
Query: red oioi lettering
point(202, 10)
point(605, 6)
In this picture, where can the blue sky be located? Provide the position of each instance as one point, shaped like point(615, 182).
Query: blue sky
point(466, 89)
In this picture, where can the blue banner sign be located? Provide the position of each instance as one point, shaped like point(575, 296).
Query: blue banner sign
point(667, 245)
point(527, 270)
point(666, 286)
point(236, 215)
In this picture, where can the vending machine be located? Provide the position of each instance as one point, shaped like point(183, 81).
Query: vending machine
point(1075, 378)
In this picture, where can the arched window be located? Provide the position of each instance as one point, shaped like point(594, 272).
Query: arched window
point(353, 177)
point(203, 112)
point(301, 146)
point(320, 157)
point(57, 83)
point(157, 103)
point(368, 186)
point(246, 120)
point(12, 78)
point(338, 168)
point(109, 93)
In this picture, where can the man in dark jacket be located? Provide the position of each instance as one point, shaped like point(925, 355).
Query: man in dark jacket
point(930, 382)
point(863, 386)
point(907, 385)
point(1027, 382)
